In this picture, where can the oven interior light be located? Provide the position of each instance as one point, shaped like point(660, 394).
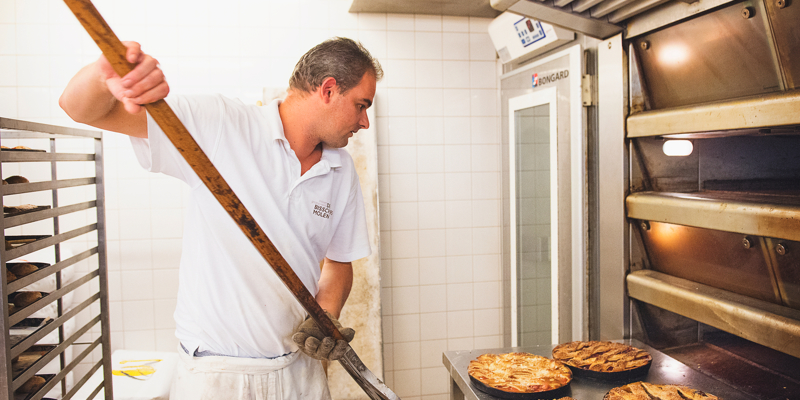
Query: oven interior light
point(673, 55)
point(678, 148)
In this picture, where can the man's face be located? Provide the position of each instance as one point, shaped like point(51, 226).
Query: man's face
point(349, 112)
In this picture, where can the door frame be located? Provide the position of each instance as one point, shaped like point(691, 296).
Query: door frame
point(540, 97)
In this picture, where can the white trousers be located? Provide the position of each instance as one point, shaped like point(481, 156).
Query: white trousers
point(290, 377)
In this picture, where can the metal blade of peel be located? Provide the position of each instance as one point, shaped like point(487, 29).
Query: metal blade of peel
point(372, 386)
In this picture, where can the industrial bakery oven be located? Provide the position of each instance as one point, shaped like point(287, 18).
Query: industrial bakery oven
point(713, 206)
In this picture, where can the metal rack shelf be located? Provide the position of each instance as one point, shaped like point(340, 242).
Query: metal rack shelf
point(767, 215)
point(73, 346)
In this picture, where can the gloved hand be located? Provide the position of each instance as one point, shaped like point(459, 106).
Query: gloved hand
point(314, 343)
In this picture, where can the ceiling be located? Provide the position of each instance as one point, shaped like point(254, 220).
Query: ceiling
point(459, 8)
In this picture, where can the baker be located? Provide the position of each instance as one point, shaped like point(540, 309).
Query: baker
point(242, 334)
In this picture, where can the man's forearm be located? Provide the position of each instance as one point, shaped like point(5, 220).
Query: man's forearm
point(335, 282)
point(86, 98)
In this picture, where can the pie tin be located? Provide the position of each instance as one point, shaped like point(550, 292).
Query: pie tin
point(627, 375)
point(549, 394)
point(609, 391)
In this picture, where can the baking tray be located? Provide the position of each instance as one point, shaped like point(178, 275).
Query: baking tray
point(17, 308)
point(25, 328)
point(26, 150)
point(21, 240)
point(39, 265)
point(628, 376)
point(29, 357)
point(25, 396)
point(11, 211)
point(550, 394)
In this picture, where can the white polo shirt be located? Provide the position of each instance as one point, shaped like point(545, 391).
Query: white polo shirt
point(230, 301)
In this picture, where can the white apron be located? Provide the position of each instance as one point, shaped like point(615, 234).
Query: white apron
point(290, 377)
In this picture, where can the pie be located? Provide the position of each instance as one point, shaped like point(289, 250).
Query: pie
point(649, 391)
point(519, 372)
point(601, 356)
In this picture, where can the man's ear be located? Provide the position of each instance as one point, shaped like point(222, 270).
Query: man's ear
point(328, 88)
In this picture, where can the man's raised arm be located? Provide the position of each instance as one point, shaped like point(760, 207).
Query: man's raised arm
point(97, 96)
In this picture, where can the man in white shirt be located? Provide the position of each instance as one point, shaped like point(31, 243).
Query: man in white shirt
point(239, 327)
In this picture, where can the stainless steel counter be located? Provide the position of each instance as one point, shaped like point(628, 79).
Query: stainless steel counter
point(664, 370)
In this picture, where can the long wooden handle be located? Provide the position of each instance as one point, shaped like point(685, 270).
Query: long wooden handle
point(115, 52)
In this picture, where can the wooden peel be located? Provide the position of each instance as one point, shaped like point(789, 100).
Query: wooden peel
point(115, 52)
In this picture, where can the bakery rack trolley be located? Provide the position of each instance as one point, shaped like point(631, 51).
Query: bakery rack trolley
point(78, 305)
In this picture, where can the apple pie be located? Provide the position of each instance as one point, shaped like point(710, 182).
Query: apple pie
point(519, 372)
point(601, 356)
point(649, 391)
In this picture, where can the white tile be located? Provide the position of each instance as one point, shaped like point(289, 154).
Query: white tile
point(32, 103)
point(62, 69)
point(388, 357)
point(459, 269)
point(455, 46)
point(459, 242)
point(483, 102)
point(8, 71)
point(399, 22)
point(433, 298)
point(403, 160)
point(489, 342)
point(403, 187)
point(457, 158)
point(137, 315)
point(404, 216)
point(458, 185)
point(402, 103)
point(429, 102)
point(164, 310)
point(430, 158)
point(431, 187)
point(485, 185)
point(386, 303)
point(371, 21)
point(406, 355)
point(456, 74)
point(400, 45)
point(405, 272)
point(458, 214)
point(405, 328)
point(400, 73)
point(387, 327)
point(340, 16)
point(483, 74)
point(142, 340)
point(430, 130)
point(486, 267)
point(166, 253)
point(165, 283)
point(405, 300)
point(434, 381)
point(486, 240)
point(433, 270)
point(114, 283)
point(431, 350)
point(431, 215)
point(460, 296)
point(405, 244)
point(386, 273)
point(488, 322)
point(432, 243)
point(165, 192)
point(137, 285)
point(8, 39)
point(166, 340)
point(490, 294)
point(428, 74)
point(136, 255)
point(407, 382)
point(375, 42)
point(32, 39)
point(459, 324)
point(135, 224)
point(8, 101)
point(8, 12)
point(386, 244)
point(486, 158)
point(485, 130)
point(477, 24)
point(428, 45)
point(431, 23)
point(456, 103)
point(385, 210)
point(481, 47)
point(485, 213)
point(115, 316)
point(382, 127)
point(465, 343)
point(455, 24)
point(401, 130)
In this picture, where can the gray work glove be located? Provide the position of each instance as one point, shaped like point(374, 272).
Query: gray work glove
point(315, 344)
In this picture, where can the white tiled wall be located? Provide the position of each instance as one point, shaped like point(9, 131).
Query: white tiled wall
point(437, 120)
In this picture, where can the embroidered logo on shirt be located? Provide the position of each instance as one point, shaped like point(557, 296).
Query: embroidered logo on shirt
point(321, 209)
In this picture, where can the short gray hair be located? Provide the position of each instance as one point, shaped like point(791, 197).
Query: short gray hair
point(340, 58)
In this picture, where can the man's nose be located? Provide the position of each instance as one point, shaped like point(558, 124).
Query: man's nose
point(364, 121)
